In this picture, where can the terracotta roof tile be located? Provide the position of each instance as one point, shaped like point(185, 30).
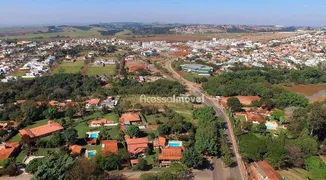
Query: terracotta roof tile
point(49, 128)
point(7, 148)
point(137, 145)
point(171, 153)
point(109, 146)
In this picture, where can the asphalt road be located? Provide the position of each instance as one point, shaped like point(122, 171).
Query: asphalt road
point(219, 172)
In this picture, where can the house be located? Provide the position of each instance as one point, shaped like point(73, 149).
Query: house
point(129, 118)
point(110, 102)
point(41, 131)
point(198, 68)
point(137, 145)
point(93, 103)
point(75, 150)
point(265, 171)
point(159, 142)
point(169, 154)
point(9, 149)
point(109, 146)
point(100, 122)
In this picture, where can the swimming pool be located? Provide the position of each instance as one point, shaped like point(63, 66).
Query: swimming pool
point(269, 127)
point(175, 143)
point(90, 153)
point(93, 135)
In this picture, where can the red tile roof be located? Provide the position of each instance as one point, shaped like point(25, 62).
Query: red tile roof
point(267, 169)
point(7, 148)
point(129, 117)
point(75, 149)
point(160, 141)
point(93, 101)
point(171, 153)
point(49, 128)
point(137, 145)
point(102, 121)
point(109, 146)
point(134, 161)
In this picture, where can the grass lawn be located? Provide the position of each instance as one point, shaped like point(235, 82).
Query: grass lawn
point(82, 127)
point(134, 99)
point(98, 148)
point(295, 174)
point(151, 119)
point(189, 76)
point(45, 151)
point(69, 67)
point(99, 70)
point(15, 138)
point(20, 157)
point(19, 74)
point(241, 118)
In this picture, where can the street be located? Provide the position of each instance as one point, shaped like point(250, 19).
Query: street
point(219, 173)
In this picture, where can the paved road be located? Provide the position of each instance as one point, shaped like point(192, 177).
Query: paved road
point(219, 174)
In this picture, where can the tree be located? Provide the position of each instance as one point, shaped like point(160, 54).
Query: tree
point(287, 99)
point(33, 165)
point(251, 147)
point(109, 162)
point(70, 135)
point(163, 129)
point(234, 104)
point(295, 155)
point(207, 141)
point(50, 113)
point(70, 113)
point(177, 128)
point(278, 114)
point(85, 169)
point(105, 133)
point(261, 128)
point(142, 165)
point(276, 154)
point(192, 158)
point(133, 131)
point(54, 167)
point(316, 166)
point(227, 159)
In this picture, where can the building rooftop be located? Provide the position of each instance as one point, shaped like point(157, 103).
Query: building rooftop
point(51, 127)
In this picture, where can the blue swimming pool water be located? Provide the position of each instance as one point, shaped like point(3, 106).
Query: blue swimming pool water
point(93, 135)
point(175, 144)
point(91, 153)
point(269, 127)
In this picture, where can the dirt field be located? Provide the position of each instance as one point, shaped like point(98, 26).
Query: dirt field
point(307, 90)
point(315, 93)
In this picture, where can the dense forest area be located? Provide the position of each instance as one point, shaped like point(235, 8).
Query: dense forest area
point(160, 87)
point(265, 82)
point(60, 86)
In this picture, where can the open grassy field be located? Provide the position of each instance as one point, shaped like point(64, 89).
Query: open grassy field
point(68, 32)
point(294, 174)
point(69, 67)
point(178, 106)
point(100, 70)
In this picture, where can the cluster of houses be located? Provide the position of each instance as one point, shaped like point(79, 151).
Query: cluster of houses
point(33, 59)
point(169, 151)
point(254, 115)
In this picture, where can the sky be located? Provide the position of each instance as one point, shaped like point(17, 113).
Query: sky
point(246, 12)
